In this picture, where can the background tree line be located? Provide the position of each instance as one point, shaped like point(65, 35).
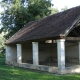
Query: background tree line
point(17, 13)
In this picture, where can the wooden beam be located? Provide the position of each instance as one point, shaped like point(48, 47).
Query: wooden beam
point(73, 38)
point(75, 32)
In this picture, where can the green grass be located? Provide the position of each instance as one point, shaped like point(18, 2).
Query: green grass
point(13, 73)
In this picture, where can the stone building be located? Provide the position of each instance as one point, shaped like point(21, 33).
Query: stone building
point(50, 44)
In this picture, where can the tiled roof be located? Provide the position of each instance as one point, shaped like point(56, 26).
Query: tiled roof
point(49, 27)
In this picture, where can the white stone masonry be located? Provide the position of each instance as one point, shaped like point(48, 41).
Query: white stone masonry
point(19, 53)
point(8, 57)
point(35, 53)
point(61, 54)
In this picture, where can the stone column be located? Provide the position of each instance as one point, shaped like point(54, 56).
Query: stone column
point(8, 57)
point(35, 53)
point(79, 52)
point(61, 54)
point(19, 53)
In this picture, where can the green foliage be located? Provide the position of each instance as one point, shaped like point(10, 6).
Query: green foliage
point(39, 8)
point(54, 10)
point(2, 40)
point(65, 8)
point(18, 12)
point(14, 73)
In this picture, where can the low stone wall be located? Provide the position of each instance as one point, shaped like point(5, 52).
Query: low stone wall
point(38, 67)
point(50, 69)
point(73, 69)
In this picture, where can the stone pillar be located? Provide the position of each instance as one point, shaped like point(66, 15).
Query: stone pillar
point(79, 52)
point(35, 53)
point(8, 57)
point(61, 55)
point(19, 53)
point(11, 55)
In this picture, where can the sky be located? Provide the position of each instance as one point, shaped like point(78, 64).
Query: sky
point(62, 3)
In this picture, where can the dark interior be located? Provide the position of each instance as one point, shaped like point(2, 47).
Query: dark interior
point(75, 32)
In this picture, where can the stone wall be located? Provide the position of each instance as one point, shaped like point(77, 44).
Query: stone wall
point(11, 54)
point(47, 57)
point(14, 53)
point(45, 52)
point(72, 52)
point(27, 53)
point(48, 53)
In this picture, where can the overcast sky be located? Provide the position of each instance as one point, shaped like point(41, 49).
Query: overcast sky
point(62, 3)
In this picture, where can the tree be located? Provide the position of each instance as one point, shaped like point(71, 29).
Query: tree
point(2, 43)
point(19, 12)
point(54, 10)
point(65, 8)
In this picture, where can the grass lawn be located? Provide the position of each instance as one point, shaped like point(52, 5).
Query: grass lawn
point(13, 73)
